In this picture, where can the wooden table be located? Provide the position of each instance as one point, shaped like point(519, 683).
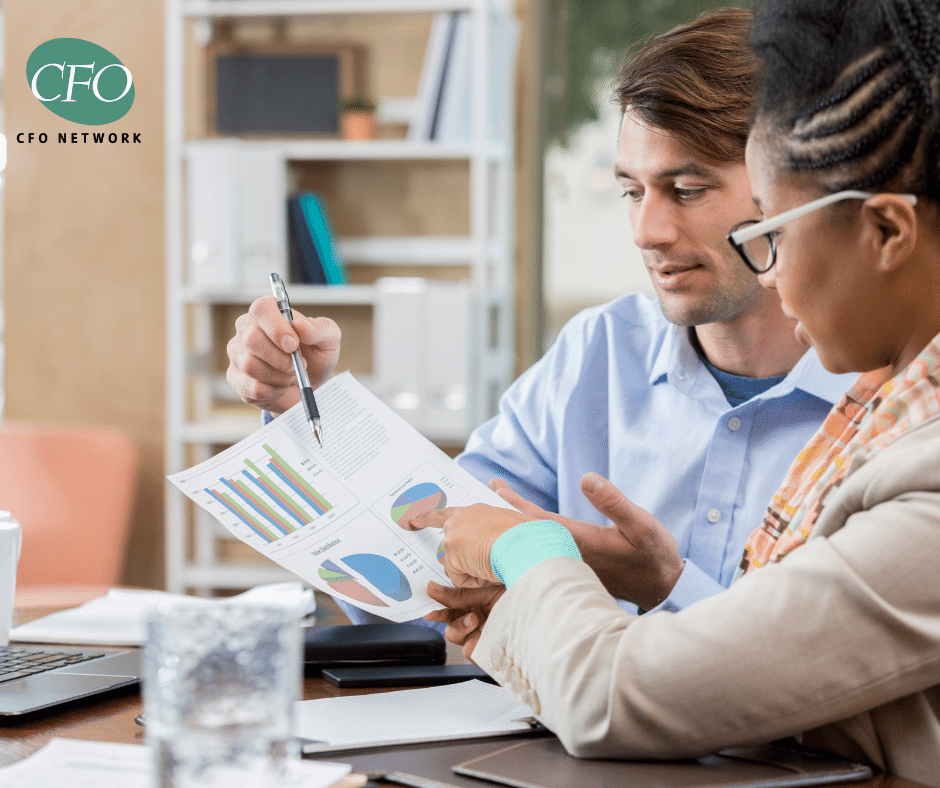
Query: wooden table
point(112, 719)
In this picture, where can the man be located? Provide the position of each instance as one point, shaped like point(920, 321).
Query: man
point(693, 404)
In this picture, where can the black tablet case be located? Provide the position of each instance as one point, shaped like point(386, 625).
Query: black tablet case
point(372, 644)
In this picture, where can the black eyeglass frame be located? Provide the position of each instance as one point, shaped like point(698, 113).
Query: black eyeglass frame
point(750, 229)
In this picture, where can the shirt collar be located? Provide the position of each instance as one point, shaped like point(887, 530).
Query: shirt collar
point(677, 361)
point(811, 376)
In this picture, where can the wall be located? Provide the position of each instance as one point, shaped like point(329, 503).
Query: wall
point(83, 256)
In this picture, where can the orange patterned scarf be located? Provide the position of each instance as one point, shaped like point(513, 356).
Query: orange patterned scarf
point(874, 411)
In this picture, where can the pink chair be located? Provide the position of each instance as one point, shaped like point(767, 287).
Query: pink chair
point(72, 489)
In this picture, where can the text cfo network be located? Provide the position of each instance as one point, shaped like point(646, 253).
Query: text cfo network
point(91, 83)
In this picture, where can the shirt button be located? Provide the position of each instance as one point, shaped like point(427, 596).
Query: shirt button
point(734, 424)
point(714, 515)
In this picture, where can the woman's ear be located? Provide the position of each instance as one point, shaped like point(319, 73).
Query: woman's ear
point(893, 224)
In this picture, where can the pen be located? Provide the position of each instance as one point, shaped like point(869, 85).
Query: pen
point(306, 393)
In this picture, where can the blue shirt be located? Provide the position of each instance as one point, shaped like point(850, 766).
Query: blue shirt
point(623, 392)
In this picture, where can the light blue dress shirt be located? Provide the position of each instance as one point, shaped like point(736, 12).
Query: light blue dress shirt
point(623, 392)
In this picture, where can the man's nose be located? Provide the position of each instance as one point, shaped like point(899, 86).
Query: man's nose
point(654, 222)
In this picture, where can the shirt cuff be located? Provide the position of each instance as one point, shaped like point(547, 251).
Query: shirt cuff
point(523, 546)
point(266, 417)
point(693, 584)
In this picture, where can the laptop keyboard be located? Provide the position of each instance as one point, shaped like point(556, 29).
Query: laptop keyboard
point(17, 662)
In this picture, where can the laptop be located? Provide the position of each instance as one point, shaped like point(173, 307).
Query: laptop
point(35, 678)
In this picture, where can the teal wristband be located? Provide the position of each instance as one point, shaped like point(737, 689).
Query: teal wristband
point(520, 548)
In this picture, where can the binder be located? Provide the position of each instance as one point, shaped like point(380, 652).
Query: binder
point(453, 122)
point(319, 228)
point(262, 178)
point(430, 83)
point(213, 214)
point(305, 259)
point(422, 340)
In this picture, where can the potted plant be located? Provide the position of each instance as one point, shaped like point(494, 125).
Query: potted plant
point(356, 118)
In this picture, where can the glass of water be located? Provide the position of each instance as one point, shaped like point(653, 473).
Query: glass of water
point(219, 689)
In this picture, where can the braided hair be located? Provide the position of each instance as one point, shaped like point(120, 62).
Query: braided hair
point(850, 92)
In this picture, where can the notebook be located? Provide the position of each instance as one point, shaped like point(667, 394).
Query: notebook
point(33, 678)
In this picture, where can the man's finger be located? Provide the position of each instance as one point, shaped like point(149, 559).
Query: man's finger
point(633, 521)
point(319, 331)
point(509, 495)
point(266, 313)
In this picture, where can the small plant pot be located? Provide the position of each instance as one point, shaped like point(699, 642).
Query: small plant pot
point(357, 125)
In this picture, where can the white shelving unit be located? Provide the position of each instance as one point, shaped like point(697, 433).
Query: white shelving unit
point(195, 429)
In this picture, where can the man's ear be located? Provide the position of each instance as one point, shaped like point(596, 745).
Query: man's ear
point(892, 221)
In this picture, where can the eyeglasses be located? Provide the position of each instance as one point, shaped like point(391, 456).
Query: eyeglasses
point(756, 242)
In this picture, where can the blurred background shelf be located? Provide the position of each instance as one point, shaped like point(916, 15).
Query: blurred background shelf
point(422, 216)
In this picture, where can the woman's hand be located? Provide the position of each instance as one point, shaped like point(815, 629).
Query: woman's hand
point(465, 613)
point(469, 534)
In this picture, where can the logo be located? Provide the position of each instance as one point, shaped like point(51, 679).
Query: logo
point(80, 81)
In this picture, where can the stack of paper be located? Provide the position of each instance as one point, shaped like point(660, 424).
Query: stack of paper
point(92, 764)
point(470, 709)
point(120, 617)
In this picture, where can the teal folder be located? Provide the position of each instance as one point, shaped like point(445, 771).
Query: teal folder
point(319, 227)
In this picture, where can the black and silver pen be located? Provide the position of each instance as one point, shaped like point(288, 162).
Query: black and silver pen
point(306, 393)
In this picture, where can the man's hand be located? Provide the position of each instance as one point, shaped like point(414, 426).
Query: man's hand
point(260, 368)
point(465, 613)
point(469, 533)
point(637, 559)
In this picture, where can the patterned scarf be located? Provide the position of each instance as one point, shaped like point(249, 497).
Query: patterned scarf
point(874, 411)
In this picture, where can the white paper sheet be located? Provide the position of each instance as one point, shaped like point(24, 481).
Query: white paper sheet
point(119, 618)
point(330, 515)
point(87, 764)
point(467, 709)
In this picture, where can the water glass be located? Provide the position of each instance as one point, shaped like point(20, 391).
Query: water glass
point(220, 684)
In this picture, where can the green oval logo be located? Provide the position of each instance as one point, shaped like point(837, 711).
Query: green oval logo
point(80, 81)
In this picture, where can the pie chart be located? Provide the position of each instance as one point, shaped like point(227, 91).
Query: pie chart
point(382, 573)
point(344, 583)
point(421, 498)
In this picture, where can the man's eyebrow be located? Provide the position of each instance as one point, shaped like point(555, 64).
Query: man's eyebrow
point(692, 168)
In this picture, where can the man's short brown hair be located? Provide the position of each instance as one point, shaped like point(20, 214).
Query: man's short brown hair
point(695, 82)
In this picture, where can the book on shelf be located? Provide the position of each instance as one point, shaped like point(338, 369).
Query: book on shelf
point(443, 107)
point(311, 248)
point(304, 259)
point(319, 224)
point(433, 72)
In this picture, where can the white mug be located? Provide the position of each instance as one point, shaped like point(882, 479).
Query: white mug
point(11, 540)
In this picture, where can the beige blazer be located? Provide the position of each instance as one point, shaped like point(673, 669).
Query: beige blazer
point(840, 640)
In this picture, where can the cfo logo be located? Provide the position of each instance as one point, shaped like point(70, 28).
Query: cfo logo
point(80, 81)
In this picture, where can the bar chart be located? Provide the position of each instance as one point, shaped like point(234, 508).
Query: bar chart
point(271, 496)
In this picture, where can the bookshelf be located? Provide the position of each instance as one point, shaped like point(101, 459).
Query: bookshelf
point(425, 228)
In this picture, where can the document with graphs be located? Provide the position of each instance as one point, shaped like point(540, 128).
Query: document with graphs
point(330, 515)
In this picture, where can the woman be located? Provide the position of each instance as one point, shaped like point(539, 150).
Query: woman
point(832, 628)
